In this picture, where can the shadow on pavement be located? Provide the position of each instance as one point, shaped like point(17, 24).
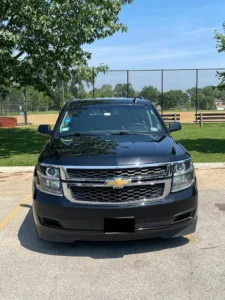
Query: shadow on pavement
point(26, 205)
point(97, 250)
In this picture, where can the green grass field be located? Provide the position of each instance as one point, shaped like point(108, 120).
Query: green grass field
point(206, 144)
point(21, 146)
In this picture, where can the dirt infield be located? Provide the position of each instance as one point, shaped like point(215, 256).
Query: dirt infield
point(39, 119)
point(185, 117)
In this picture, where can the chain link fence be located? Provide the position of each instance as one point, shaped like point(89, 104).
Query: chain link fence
point(179, 90)
point(185, 91)
point(11, 104)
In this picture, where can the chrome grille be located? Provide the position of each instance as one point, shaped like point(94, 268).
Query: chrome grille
point(150, 172)
point(127, 194)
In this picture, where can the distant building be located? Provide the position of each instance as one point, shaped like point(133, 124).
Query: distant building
point(219, 104)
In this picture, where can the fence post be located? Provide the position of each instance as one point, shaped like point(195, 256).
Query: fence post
point(175, 117)
point(6, 107)
point(10, 105)
point(201, 120)
point(196, 100)
point(162, 78)
point(25, 105)
point(127, 83)
point(1, 110)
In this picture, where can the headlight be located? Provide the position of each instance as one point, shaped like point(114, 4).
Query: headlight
point(183, 176)
point(48, 180)
point(48, 171)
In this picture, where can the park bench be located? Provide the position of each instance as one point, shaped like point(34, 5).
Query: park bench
point(209, 118)
point(171, 117)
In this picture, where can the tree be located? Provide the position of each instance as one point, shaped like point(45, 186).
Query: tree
point(41, 41)
point(209, 91)
point(174, 99)
point(192, 92)
point(105, 90)
point(121, 90)
point(220, 38)
point(81, 92)
point(38, 101)
point(207, 102)
point(206, 97)
point(151, 93)
point(220, 94)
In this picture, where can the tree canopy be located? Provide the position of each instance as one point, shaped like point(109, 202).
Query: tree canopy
point(150, 92)
point(41, 41)
point(220, 38)
point(174, 98)
point(124, 90)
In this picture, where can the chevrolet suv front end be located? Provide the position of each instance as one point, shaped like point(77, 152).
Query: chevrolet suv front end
point(112, 171)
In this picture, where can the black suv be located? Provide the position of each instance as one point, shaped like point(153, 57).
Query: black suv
point(112, 171)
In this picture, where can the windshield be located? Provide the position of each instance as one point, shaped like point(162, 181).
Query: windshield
point(111, 119)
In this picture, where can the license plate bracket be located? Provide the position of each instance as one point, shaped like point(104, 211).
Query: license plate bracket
point(119, 225)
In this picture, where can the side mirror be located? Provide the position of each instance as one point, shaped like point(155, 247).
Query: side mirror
point(175, 126)
point(45, 129)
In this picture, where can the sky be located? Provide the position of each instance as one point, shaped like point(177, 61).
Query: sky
point(164, 34)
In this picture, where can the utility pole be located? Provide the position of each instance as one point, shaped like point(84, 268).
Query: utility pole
point(196, 100)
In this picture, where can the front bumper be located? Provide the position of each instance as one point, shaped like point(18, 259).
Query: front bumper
point(59, 220)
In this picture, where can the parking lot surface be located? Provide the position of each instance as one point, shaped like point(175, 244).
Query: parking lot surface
point(192, 267)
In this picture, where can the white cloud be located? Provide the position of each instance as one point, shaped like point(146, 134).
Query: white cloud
point(130, 56)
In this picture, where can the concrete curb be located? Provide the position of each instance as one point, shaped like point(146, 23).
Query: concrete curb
point(16, 169)
point(208, 166)
point(198, 166)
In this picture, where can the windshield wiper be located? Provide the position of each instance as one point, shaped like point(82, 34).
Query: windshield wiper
point(130, 133)
point(160, 138)
point(77, 134)
point(95, 134)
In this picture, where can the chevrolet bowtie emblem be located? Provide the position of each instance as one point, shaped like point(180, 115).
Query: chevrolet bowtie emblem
point(118, 183)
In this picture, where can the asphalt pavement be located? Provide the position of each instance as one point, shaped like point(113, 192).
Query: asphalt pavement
point(191, 267)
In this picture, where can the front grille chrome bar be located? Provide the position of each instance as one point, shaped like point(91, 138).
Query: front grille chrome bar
point(94, 184)
point(167, 188)
point(168, 174)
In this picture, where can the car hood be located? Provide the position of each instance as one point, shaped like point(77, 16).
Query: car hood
point(111, 151)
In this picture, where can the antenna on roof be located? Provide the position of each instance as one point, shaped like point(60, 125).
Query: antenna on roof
point(138, 97)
